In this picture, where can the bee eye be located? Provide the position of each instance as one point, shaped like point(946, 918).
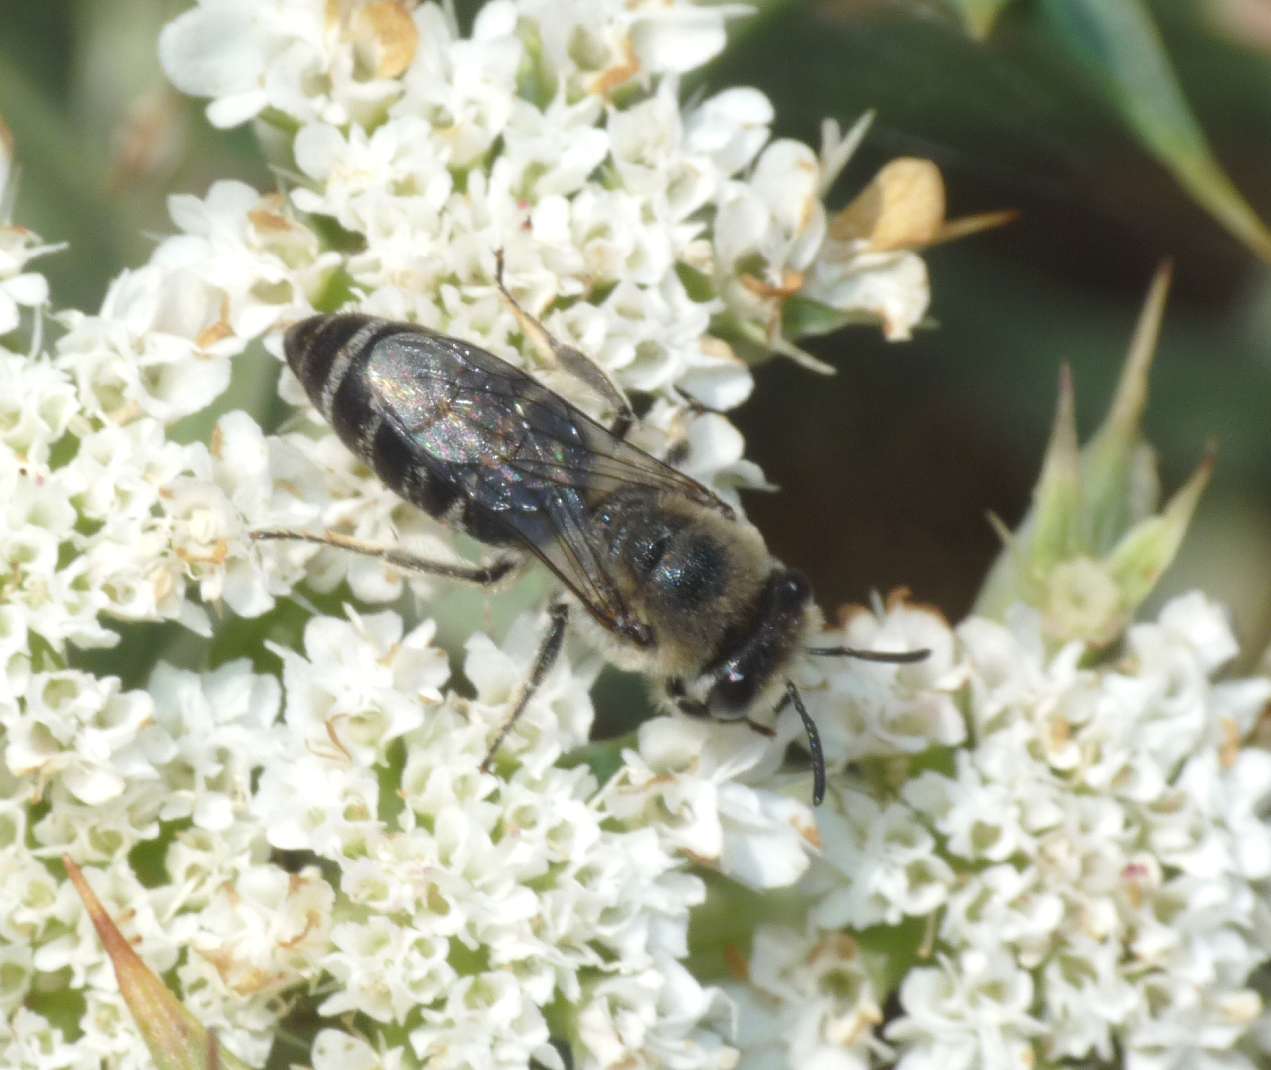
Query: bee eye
point(793, 589)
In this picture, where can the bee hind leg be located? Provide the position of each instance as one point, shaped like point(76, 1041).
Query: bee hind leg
point(548, 652)
point(574, 361)
point(482, 575)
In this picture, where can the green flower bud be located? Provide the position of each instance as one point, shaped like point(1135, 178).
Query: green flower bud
point(1093, 545)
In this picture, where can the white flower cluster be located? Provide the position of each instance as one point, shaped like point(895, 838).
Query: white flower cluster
point(310, 819)
point(1036, 857)
point(1074, 869)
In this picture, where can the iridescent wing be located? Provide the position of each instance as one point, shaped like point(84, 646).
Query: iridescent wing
point(525, 459)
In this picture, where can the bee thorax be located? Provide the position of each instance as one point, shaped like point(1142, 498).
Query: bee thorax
point(685, 569)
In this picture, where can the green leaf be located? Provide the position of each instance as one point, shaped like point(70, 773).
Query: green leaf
point(604, 758)
point(1117, 42)
point(979, 15)
point(801, 317)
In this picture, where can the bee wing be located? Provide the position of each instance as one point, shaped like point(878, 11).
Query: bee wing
point(525, 455)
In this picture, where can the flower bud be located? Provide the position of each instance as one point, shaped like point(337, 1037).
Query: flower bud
point(1093, 545)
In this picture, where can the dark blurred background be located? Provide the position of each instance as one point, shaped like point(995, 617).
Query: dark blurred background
point(887, 470)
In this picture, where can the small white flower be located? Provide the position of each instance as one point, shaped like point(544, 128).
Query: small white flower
point(16, 974)
point(32, 894)
point(1007, 903)
point(420, 972)
point(361, 683)
point(684, 779)
point(964, 1014)
point(252, 56)
point(890, 287)
point(316, 802)
point(466, 89)
point(220, 730)
point(810, 1001)
point(337, 1050)
point(866, 708)
point(75, 727)
point(731, 127)
point(620, 1016)
point(1088, 859)
point(553, 152)
point(131, 359)
point(36, 406)
point(363, 176)
point(28, 1039)
point(1087, 995)
point(19, 289)
point(261, 932)
point(883, 861)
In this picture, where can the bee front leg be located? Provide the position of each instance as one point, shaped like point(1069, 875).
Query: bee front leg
point(482, 575)
point(574, 361)
point(548, 652)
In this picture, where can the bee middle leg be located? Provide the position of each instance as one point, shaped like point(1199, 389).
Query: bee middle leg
point(548, 651)
point(482, 575)
point(574, 361)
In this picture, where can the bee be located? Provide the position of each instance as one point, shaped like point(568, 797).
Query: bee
point(663, 574)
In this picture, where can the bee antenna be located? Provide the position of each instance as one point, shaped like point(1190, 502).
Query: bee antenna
point(814, 743)
point(894, 657)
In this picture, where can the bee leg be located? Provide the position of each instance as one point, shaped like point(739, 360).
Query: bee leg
point(696, 405)
point(548, 652)
point(575, 362)
point(482, 575)
point(678, 452)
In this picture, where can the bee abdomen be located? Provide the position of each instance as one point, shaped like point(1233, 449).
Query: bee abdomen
point(321, 349)
point(399, 468)
point(329, 355)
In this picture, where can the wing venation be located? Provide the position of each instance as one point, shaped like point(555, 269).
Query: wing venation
point(521, 452)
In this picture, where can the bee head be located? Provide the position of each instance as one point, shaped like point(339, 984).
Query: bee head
point(754, 652)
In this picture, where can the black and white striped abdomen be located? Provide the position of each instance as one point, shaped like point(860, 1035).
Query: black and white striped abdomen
point(332, 357)
point(321, 350)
